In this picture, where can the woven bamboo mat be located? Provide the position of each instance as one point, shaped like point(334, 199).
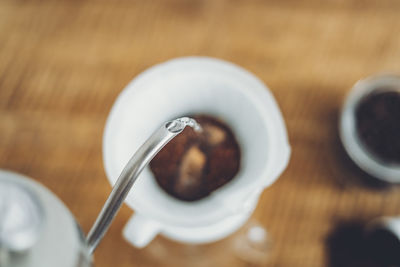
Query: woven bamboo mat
point(62, 64)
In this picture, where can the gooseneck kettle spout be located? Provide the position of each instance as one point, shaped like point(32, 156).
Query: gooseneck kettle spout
point(130, 174)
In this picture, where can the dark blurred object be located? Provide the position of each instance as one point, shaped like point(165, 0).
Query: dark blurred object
point(384, 247)
point(378, 124)
point(350, 245)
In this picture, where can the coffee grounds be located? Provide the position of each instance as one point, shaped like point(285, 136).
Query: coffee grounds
point(193, 164)
point(378, 125)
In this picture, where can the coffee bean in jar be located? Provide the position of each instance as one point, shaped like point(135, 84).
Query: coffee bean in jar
point(378, 124)
point(194, 164)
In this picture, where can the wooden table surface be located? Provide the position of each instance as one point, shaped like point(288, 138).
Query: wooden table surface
point(63, 63)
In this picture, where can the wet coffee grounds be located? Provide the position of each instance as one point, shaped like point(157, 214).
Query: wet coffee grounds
point(194, 164)
point(378, 125)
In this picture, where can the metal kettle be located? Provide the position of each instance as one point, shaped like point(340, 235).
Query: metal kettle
point(38, 230)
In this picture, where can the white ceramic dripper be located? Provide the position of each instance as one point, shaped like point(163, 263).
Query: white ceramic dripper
point(191, 86)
